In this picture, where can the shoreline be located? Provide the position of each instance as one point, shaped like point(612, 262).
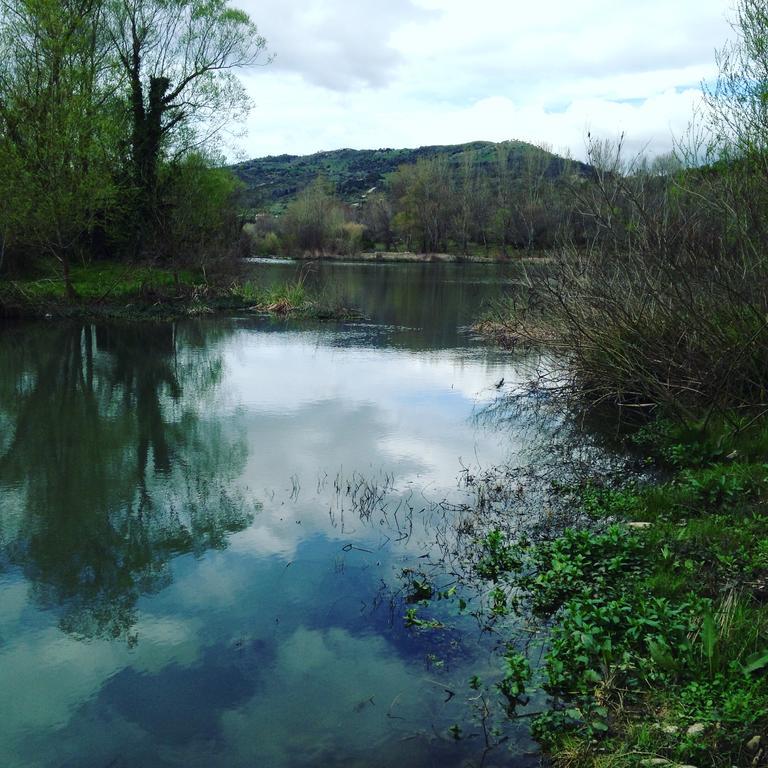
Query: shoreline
point(407, 257)
point(166, 311)
point(158, 296)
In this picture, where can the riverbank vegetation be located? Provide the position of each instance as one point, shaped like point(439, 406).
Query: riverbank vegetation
point(111, 114)
point(149, 291)
point(654, 600)
point(644, 620)
point(664, 309)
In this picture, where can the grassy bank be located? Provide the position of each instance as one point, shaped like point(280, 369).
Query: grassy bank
point(110, 290)
point(653, 611)
point(654, 606)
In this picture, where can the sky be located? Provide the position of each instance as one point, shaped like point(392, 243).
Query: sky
point(367, 74)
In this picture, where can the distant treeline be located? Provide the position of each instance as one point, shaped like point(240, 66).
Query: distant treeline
point(109, 111)
point(475, 198)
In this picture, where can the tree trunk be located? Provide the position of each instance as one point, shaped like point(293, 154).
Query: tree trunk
point(146, 139)
point(68, 287)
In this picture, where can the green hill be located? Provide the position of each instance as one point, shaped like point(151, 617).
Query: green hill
point(273, 181)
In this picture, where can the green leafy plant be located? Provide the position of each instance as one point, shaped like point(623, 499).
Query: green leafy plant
point(412, 620)
point(517, 673)
point(497, 557)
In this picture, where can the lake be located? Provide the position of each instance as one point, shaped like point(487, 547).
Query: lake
point(209, 531)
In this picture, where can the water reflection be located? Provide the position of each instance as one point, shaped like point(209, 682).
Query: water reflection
point(154, 613)
point(429, 303)
point(106, 470)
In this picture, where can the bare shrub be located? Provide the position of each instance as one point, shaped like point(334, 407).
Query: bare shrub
point(667, 305)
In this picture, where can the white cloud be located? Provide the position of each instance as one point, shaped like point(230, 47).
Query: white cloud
point(336, 45)
point(367, 74)
point(376, 696)
point(376, 402)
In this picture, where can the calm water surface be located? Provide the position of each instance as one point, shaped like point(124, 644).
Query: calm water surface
point(204, 525)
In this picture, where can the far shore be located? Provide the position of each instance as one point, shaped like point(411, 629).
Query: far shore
point(411, 257)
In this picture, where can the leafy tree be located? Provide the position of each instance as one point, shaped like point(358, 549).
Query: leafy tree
point(738, 125)
point(376, 216)
point(177, 58)
point(535, 191)
point(197, 214)
point(425, 202)
point(503, 216)
point(525, 196)
point(95, 97)
point(314, 218)
point(739, 99)
point(472, 203)
point(53, 68)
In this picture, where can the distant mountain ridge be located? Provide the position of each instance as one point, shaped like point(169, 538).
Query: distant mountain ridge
point(273, 181)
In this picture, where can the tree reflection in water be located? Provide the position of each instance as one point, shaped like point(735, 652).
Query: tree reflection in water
point(108, 467)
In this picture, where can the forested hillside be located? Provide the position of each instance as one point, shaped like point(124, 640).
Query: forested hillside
point(273, 181)
point(475, 198)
